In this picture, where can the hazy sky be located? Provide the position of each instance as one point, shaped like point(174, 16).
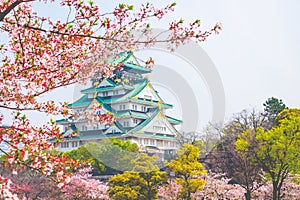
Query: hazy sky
point(256, 54)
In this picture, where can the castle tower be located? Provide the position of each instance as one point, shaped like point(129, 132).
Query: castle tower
point(139, 111)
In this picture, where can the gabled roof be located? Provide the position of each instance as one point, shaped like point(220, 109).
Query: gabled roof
point(131, 114)
point(94, 89)
point(173, 120)
point(83, 101)
point(133, 67)
point(125, 58)
point(104, 105)
point(137, 88)
point(145, 123)
point(149, 102)
point(117, 126)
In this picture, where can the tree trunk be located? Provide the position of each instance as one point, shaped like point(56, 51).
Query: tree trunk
point(248, 195)
point(276, 192)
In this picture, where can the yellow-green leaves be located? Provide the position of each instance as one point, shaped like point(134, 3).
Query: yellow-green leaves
point(188, 169)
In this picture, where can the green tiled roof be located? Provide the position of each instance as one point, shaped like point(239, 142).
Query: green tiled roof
point(123, 58)
point(94, 89)
point(99, 136)
point(105, 106)
point(111, 81)
point(144, 123)
point(173, 120)
point(118, 125)
point(139, 115)
point(138, 88)
point(131, 113)
point(83, 101)
point(62, 121)
point(131, 66)
point(149, 102)
point(155, 136)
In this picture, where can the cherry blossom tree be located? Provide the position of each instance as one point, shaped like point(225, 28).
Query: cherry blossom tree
point(82, 186)
point(42, 54)
point(169, 191)
point(218, 186)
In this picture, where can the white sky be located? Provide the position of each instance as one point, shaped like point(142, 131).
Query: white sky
point(256, 53)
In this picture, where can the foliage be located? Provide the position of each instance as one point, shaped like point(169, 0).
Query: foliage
point(84, 154)
point(188, 170)
point(126, 186)
point(115, 154)
point(141, 183)
point(272, 107)
point(239, 166)
point(108, 156)
point(276, 149)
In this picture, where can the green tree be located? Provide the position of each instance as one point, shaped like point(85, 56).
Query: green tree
point(86, 154)
point(272, 107)
point(126, 186)
point(151, 175)
point(277, 149)
point(188, 170)
point(116, 154)
point(141, 183)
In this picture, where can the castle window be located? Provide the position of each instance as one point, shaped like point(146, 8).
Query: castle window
point(84, 128)
point(126, 123)
point(135, 121)
point(64, 145)
point(146, 141)
point(134, 107)
point(140, 141)
point(122, 107)
point(98, 112)
point(166, 143)
point(159, 128)
point(144, 108)
point(115, 92)
point(152, 142)
point(74, 144)
point(172, 144)
point(105, 94)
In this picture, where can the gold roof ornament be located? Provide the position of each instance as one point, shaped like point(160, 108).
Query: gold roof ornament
point(95, 95)
point(96, 83)
point(160, 115)
point(159, 104)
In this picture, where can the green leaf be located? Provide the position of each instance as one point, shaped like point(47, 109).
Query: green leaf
point(23, 117)
point(130, 7)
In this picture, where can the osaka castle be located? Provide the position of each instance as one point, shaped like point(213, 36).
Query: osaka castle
point(139, 111)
